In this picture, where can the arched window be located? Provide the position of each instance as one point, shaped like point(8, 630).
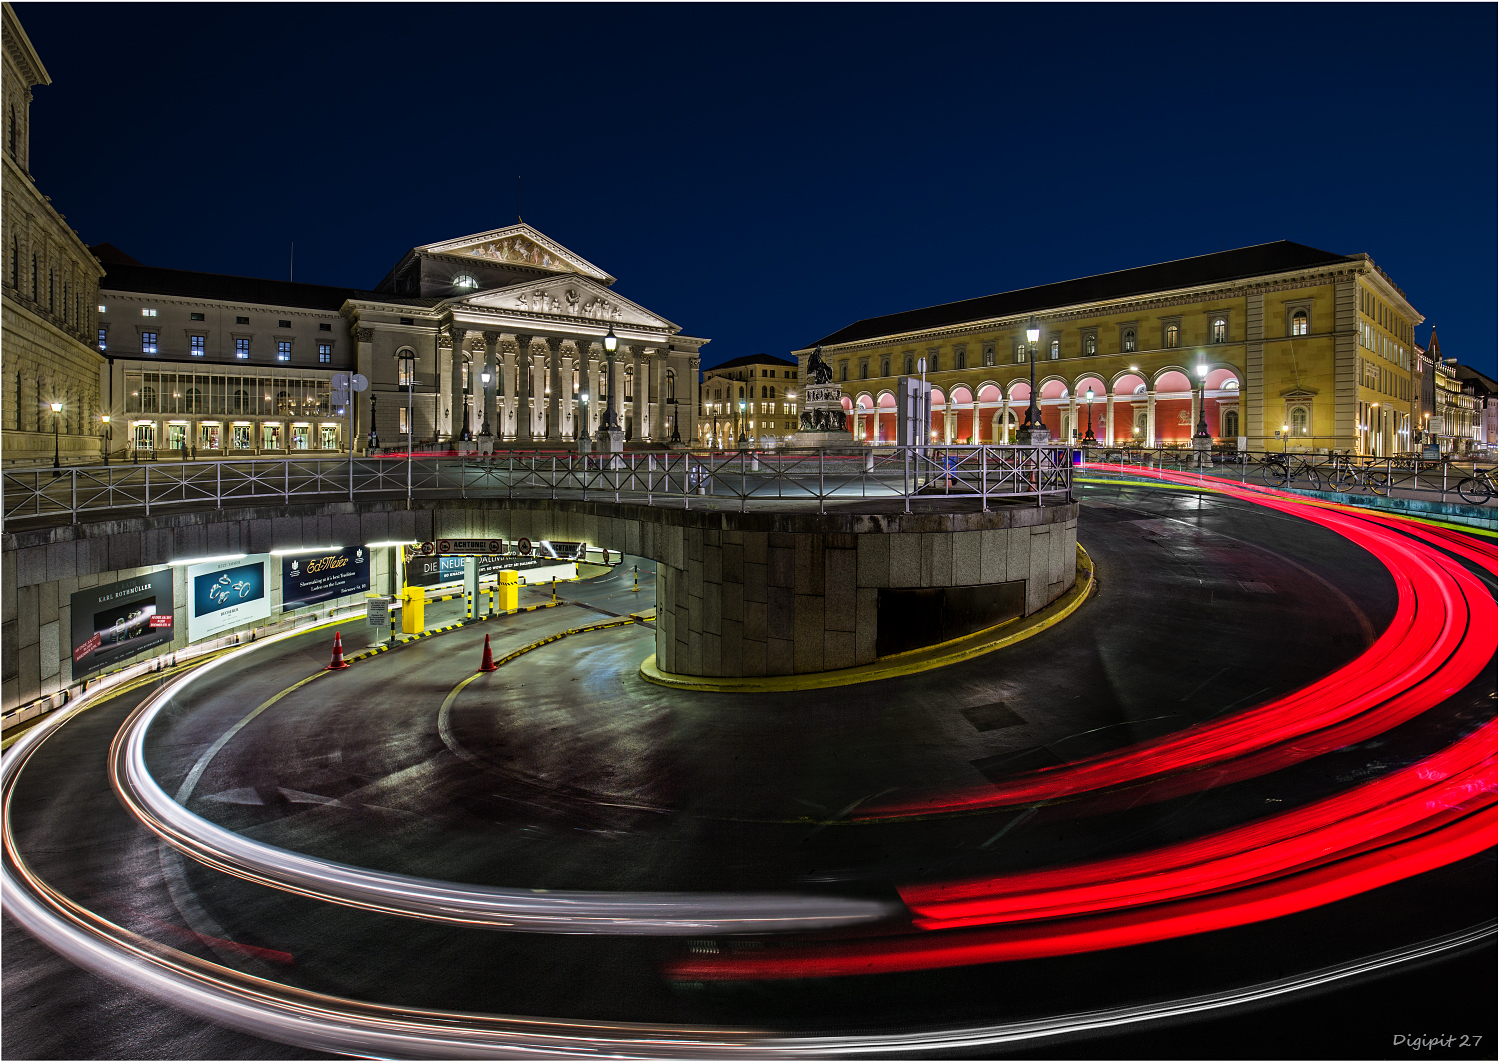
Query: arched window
point(908, 365)
point(1220, 332)
point(464, 282)
point(885, 366)
point(194, 401)
point(283, 407)
point(1056, 349)
point(1230, 385)
point(1090, 344)
point(1231, 423)
point(671, 384)
point(630, 383)
point(1172, 333)
point(1298, 421)
point(1127, 341)
point(148, 399)
point(843, 371)
point(1140, 424)
point(960, 359)
point(864, 370)
point(1299, 323)
point(1020, 353)
point(241, 402)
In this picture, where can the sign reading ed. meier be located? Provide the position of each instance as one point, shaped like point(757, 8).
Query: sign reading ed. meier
point(225, 594)
point(311, 578)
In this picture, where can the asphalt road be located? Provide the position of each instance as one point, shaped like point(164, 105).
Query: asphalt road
point(566, 770)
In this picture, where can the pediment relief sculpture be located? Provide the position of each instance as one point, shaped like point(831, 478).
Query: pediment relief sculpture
point(570, 297)
point(516, 249)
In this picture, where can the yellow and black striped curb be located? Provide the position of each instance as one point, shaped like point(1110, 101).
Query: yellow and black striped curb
point(563, 634)
point(908, 663)
point(407, 639)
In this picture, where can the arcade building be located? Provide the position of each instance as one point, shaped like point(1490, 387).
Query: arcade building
point(1280, 344)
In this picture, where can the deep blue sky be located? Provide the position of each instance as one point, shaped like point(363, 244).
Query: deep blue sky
point(765, 175)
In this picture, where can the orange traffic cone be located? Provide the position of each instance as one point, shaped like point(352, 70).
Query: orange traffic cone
point(338, 663)
point(488, 663)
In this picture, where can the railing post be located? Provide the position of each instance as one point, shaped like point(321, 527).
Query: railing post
point(742, 481)
point(148, 490)
point(286, 480)
point(906, 476)
point(820, 481)
point(75, 495)
point(463, 477)
point(219, 484)
point(984, 482)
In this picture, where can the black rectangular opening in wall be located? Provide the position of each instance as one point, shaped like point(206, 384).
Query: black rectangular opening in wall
point(909, 619)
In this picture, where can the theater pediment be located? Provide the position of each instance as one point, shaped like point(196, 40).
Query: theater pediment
point(520, 245)
point(570, 296)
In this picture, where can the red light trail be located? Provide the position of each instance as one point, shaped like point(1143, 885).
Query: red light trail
point(1437, 811)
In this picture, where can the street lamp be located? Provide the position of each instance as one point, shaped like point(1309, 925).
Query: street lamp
point(1283, 438)
point(1088, 436)
point(105, 435)
point(743, 439)
point(408, 360)
point(1202, 440)
point(1033, 432)
point(610, 421)
point(676, 439)
point(484, 400)
point(56, 444)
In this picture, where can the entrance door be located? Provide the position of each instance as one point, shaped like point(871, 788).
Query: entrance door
point(145, 436)
point(242, 437)
point(270, 436)
point(208, 436)
point(330, 437)
point(176, 436)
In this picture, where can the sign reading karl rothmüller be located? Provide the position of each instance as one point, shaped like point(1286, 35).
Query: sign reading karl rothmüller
point(310, 578)
point(111, 623)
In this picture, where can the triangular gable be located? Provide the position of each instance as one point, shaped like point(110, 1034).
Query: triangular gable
point(570, 296)
point(523, 245)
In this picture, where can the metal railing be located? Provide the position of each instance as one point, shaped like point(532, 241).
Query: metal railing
point(1449, 478)
point(661, 478)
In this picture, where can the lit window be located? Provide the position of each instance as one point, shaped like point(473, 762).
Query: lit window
point(1299, 421)
point(464, 282)
point(1090, 344)
point(1127, 341)
point(195, 317)
point(404, 371)
point(1056, 350)
point(325, 353)
point(1299, 328)
point(242, 349)
point(1220, 330)
point(197, 346)
point(101, 339)
point(103, 309)
point(1172, 333)
point(405, 426)
point(148, 313)
point(1020, 353)
point(148, 342)
point(284, 351)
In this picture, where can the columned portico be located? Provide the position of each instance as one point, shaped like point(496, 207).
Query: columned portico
point(637, 393)
point(456, 382)
point(1109, 419)
point(1150, 418)
point(554, 389)
point(487, 414)
point(659, 431)
point(522, 430)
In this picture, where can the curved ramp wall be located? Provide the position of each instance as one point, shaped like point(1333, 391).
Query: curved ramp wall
point(739, 594)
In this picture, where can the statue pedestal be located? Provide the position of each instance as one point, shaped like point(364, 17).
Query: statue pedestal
point(486, 444)
point(823, 439)
point(464, 446)
point(610, 442)
point(1033, 437)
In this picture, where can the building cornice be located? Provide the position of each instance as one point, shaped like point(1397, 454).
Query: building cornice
point(1088, 311)
point(20, 310)
point(19, 50)
point(105, 291)
point(16, 177)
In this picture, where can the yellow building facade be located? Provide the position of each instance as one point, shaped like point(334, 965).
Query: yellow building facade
point(1277, 345)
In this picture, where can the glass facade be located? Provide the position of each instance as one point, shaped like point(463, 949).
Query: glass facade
point(239, 411)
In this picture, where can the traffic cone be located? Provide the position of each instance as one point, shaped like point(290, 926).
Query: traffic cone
point(488, 663)
point(338, 663)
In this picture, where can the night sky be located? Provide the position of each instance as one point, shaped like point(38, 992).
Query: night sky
point(764, 175)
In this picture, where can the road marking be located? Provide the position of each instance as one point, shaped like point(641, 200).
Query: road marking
point(190, 783)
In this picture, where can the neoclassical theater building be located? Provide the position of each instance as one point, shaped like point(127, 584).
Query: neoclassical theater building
point(1283, 344)
point(503, 329)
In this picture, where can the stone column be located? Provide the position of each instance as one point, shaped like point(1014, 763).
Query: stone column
point(584, 411)
point(487, 414)
point(1072, 418)
point(976, 434)
point(524, 381)
point(554, 389)
point(659, 431)
point(1150, 418)
point(1109, 419)
point(638, 394)
point(364, 363)
point(506, 428)
point(691, 421)
point(1002, 430)
point(456, 382)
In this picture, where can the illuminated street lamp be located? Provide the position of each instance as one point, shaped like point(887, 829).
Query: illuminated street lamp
point(56, 443)
point(1088, 436)
point(610, 421)
point(743, 439)
point(105, 435)
point(1202, 440)
point(484, 401)
point(1032, 431)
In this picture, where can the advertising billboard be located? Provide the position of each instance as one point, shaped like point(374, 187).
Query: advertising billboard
point(224, 594)
point(111, 623)
point(312, 578)
point(431, 571)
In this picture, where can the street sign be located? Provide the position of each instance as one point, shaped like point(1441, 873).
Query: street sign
point(463, 547)
point(523, 547)
point(377, 612)
point(339, 381)
point(358, 382)
point(338, 398)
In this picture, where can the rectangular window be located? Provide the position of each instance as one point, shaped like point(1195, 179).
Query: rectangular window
point(283, 351)
point(325, 353)
point(195, 317)
point(148, 342)
point(103, 309)
point(242, 320)
point(242, 349)
point(405, 426)
point(283, 324)
point(101, 339)
point(197, 346)
point(406, 320)
point(148, 313)
point(405, 370)
point(325, 327)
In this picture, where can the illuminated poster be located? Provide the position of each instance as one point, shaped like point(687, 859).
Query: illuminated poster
point(430, 571)
point(312, 578)
point(225, 594)
point(112, 623)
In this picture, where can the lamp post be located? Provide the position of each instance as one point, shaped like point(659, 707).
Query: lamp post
point(484, 401)
point(1283, 438)
point(743, 439)
point(1032, 431)
point(374, 436)
point(105, 435)
point(676, 439)
point(408, 361)
point(56, 442)
point(1202, 439)
point(1088, 436)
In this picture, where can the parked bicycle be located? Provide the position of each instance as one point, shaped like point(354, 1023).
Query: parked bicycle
point(1345, 474)
point(1290, 470)
point(1478, 488)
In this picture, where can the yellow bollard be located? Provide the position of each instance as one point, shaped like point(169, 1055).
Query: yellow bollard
point(554, 589)
point(508, 586)
point(413, 610)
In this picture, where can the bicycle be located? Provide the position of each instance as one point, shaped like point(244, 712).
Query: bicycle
point(1281, 470)
point(1478, 488)
point(1346, 474)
